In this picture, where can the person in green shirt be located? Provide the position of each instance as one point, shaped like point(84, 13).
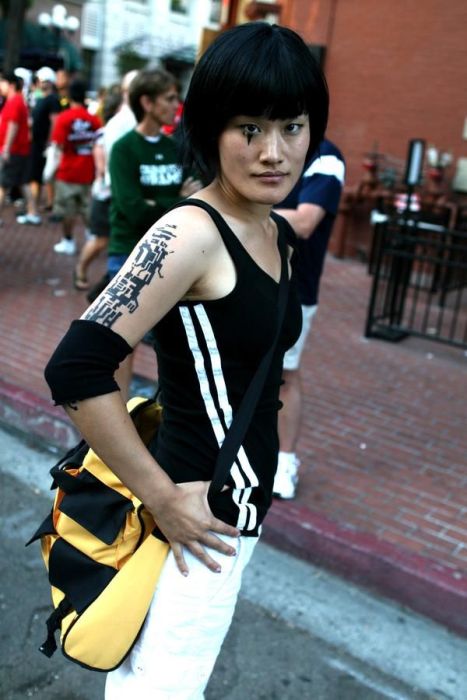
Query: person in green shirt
point(146, 176)
point(145, 173)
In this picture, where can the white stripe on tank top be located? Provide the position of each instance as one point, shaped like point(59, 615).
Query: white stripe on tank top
point(243, 481)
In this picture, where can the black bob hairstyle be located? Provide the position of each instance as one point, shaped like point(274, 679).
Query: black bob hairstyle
point(256, 69)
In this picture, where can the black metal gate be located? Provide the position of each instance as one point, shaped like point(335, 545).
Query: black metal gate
point(419, 282)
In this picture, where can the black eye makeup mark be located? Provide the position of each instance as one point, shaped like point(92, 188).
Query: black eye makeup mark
point(248, 131)
point(124, 291)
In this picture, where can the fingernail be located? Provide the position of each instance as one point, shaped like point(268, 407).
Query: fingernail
point(185, 573)
point(218, 570)
point(233, 553)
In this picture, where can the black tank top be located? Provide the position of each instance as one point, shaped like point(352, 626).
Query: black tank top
point(207, 354)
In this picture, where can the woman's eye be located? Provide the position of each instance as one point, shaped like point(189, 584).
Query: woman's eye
point(249, 129)
point(294, 128)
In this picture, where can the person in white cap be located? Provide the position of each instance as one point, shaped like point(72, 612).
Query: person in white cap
point(26, 77)
point(43, 116)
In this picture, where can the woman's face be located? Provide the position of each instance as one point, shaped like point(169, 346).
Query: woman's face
point(261, 159)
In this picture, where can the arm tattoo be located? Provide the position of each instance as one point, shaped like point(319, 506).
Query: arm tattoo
point(124, 290)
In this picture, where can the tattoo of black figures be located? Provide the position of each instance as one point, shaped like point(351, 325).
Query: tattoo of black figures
point(124, 291)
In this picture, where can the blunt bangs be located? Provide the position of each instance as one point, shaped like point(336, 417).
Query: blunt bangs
point(253, 69)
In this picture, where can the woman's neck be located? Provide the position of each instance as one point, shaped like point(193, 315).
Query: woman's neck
point(236, 206)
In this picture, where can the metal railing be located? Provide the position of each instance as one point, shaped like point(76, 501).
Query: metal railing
point(419, 282)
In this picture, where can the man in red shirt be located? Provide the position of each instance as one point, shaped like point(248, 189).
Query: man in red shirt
point(14, 136)
point(73, 135)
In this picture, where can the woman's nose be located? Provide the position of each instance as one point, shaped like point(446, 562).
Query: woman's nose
point(272, 148)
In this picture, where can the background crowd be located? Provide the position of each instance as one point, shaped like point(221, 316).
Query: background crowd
point(55, 150)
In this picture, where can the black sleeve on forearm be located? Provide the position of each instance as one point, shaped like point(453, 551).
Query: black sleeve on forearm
point(84, 363)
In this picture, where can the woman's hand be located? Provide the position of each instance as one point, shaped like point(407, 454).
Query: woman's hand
point(187, 521)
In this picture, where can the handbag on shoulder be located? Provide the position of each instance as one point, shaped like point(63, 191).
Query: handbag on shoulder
point(101, 555)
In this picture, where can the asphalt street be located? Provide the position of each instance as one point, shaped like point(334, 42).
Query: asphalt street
point(299, 633)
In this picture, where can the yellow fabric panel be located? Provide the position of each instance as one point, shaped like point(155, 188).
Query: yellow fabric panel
point(100, 637)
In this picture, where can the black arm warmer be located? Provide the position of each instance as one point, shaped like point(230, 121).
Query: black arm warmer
point(84, 363)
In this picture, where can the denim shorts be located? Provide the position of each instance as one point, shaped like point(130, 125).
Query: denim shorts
point(115, 264)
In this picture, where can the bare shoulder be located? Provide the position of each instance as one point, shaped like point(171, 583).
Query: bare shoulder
point(189, 227)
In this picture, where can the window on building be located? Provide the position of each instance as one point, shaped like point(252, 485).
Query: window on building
point(215, 14)
point(179, 6)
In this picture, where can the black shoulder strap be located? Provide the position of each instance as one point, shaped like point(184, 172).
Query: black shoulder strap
point(242, 419)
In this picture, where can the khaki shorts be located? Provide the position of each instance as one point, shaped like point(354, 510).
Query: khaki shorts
point(72, 199)
point(293, 355)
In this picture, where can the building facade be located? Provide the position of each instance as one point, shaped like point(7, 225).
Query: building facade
point(396, 70)
point(157, 30)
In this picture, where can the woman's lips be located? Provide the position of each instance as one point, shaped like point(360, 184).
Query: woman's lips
point(271, 177)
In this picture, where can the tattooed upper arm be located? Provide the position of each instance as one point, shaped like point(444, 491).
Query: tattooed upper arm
point(125, 289)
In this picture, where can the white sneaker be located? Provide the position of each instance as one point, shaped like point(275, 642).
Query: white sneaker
point(286, 479)
point(33, 219)
point(65, 247)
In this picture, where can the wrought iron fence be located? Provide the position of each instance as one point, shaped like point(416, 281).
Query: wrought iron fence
point(419, 282)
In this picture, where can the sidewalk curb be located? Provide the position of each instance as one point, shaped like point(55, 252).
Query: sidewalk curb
point(31, 414)
point(418, 582)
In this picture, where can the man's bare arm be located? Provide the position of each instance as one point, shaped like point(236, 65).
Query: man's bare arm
point(304, 219)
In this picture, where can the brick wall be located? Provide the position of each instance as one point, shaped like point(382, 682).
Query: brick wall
point(396, 70)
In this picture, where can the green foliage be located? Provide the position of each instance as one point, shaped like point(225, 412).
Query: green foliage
point(129, 59)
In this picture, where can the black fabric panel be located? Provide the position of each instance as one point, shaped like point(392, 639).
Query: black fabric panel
point(46, 528)
point(95, 506)
point(84, 362)
point(74, 457)
point(80, 578)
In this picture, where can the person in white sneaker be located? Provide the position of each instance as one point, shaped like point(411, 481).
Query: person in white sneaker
point(73, 136)
point(310, 209)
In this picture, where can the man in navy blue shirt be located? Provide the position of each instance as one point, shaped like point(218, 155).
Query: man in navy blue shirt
point(311, 209)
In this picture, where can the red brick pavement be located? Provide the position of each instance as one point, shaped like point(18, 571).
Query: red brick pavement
point(383, 487)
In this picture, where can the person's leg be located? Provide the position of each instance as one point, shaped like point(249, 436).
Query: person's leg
point(65, 204)
point(68, 225)
point(289, 421)
point(49, 189)
point(97, 217)
point(89, 252)
point(9, 179)
point(291, 413)
point(32, 201)
point(184, 630)
point(35, 167)
point(2, 200)
point(35, 190)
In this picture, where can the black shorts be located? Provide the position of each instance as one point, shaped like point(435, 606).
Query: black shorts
point(14, 171)
point(36, 163)
point(99, 221)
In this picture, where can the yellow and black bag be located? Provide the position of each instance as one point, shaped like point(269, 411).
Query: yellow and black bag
point(101, 554)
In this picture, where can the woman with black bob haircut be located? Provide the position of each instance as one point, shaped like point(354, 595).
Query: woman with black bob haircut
point(209, 277)
point(260, 70)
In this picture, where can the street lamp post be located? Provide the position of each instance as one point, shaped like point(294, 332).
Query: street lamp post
point(59, 21)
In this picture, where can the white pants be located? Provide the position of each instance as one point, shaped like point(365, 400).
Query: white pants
point(184, 630)
point(293, 354)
